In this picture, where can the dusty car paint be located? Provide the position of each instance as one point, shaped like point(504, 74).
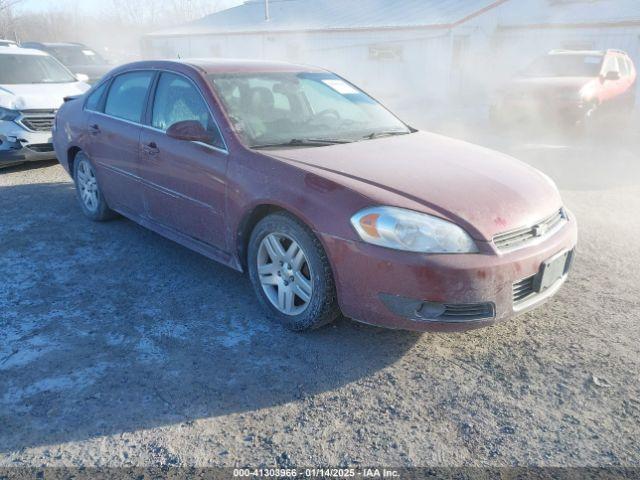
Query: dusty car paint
point(208, 199)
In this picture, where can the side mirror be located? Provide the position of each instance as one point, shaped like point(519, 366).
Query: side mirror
point(81, 77)
point(189, 131)
point(613, 76)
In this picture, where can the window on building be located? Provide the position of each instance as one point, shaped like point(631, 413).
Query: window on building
point(386, 52)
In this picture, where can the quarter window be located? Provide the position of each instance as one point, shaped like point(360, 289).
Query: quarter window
point(127, 96)
point(177, 100)
point(93, 102)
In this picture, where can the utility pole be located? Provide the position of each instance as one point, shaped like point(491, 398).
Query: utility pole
point(267, 15)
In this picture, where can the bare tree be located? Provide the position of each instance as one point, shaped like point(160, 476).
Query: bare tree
point(7, 18)
point(157, 13)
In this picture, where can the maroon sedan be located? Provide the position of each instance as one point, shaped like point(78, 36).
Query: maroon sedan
point(330, 202)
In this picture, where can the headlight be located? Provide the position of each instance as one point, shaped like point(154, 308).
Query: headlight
point(587, 92)
point(8, 115)
point(410, 231)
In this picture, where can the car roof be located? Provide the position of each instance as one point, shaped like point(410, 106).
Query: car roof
point(595, 53)
point(21, 51)
point(56, 44)
point(215, 65)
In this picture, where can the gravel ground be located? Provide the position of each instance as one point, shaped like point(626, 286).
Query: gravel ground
point(118, 347)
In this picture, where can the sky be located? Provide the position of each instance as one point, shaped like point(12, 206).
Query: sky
point(44, 5)
point(92, 6)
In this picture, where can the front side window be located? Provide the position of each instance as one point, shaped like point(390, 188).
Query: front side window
point(610, 65)
point(32, 69)
point(289, 107)
point(177, 100)
point(127, 95)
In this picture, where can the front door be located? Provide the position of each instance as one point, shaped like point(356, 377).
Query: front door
point(185, 182)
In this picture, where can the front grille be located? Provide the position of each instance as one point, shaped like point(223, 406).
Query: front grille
point(522, 236)
point(38, 120)
point(468, 312)
point(523, 289)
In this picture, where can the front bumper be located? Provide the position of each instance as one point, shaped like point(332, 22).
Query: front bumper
point(518, 109)
point(385, 287)
point(18, 145)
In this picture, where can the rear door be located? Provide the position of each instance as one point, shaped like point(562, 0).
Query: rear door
point(185, 182)
point(114, 144)
point(627, 74)
point(611, 89)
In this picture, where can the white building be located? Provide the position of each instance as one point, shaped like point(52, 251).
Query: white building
point(388, 47)
point(571, 24)
point(433, 50)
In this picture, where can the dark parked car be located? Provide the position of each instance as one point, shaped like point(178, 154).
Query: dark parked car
point(572, 86)
point(329, 201)
point(78, 58)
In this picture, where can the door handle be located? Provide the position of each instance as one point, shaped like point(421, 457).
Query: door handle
point(151, 149)
point(94, 129)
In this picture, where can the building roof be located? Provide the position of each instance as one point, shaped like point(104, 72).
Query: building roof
point(320, 15)
point(559, 13)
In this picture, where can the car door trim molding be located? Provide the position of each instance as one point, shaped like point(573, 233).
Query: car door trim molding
point(159, 188)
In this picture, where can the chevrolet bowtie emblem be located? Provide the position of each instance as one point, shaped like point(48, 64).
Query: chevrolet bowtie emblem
point(539, 230)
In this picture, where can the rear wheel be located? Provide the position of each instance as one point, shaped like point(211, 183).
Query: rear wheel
point(290, 273)
point(88, 192)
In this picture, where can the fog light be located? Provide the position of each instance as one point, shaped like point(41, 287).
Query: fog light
point(431, 310)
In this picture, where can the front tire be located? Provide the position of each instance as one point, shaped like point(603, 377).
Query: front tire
point(88, 192)
point(290, 273)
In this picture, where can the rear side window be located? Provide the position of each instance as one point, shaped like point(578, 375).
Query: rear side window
point(127, 96)
point(177, 100)
point(93, 102)
point(624, 67)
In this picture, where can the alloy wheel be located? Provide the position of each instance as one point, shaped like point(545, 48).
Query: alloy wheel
point(88, 186)
point(285, 274)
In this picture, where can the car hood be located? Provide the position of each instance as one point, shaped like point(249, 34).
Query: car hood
point(484, 191)
point(48, 96)
point(549, 84)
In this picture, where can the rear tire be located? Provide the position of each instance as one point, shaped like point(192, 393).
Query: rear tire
point(92, 202)
point(290, 274)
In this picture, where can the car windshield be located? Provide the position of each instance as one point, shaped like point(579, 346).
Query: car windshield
point(76, 55)
point(313, 109)
point(20, 69)
point(565, 66)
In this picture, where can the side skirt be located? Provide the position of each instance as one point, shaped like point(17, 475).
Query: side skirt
point(209, 251)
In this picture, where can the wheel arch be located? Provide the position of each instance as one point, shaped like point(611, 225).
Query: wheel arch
point(72, 153)
point(253, 215)
point(248, 222)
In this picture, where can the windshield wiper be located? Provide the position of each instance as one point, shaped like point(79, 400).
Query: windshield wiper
point(303, 142)
point(390, 133)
